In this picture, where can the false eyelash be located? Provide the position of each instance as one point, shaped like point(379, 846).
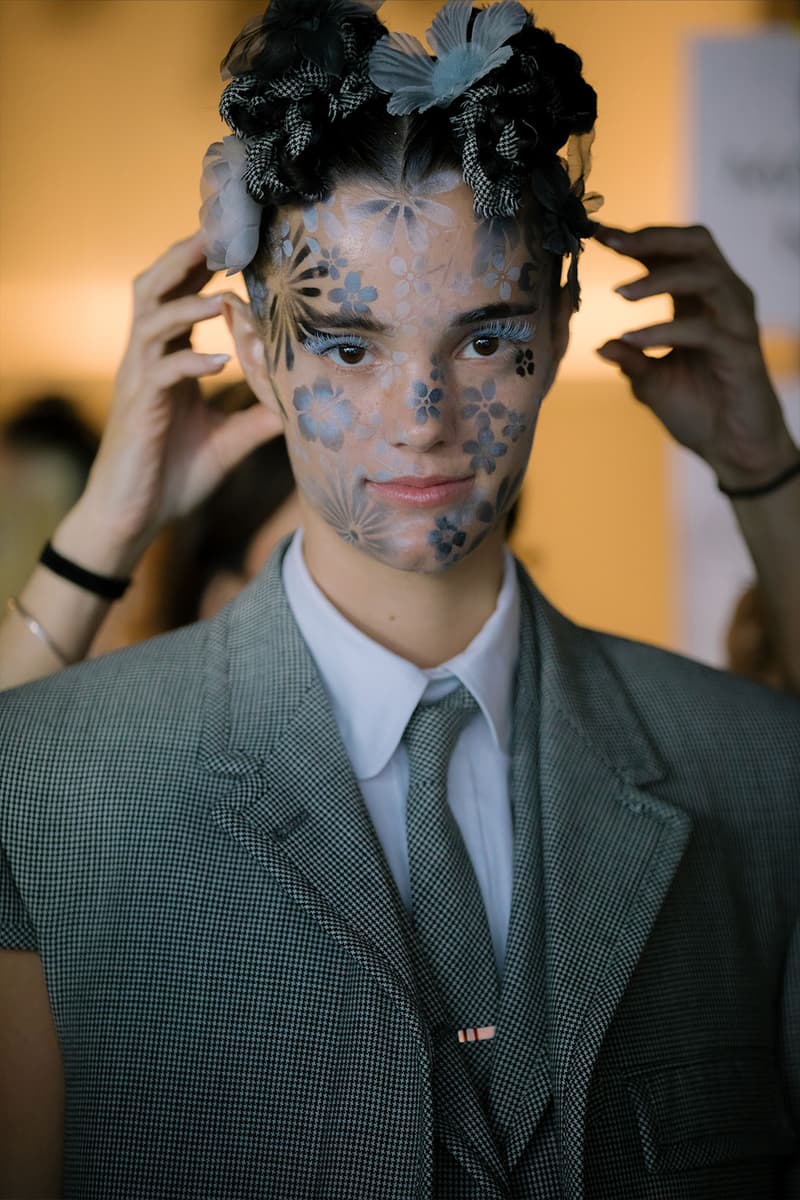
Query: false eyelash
point(317, 342)
point(505, 331)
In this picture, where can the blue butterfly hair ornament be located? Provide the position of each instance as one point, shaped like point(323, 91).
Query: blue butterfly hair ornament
point(514, 98)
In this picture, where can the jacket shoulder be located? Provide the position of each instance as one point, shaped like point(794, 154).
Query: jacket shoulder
point(658, 677)
point(104, 701)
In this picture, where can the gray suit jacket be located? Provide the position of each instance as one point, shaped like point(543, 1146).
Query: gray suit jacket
point(229, 963)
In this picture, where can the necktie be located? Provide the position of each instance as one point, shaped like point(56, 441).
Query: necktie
point(449, 916)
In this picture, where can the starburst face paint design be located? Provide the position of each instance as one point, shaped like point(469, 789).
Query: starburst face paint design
point(407, 365)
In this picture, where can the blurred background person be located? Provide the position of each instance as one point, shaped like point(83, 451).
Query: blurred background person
point(46, 451)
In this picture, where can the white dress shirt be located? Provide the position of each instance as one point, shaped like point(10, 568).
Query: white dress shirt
point(373, 693)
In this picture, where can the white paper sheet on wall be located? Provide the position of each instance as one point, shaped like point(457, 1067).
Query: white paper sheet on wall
point(743, 143)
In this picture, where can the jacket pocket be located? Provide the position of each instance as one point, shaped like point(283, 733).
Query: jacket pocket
point(715, 1111)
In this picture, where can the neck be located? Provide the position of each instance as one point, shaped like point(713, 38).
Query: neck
point(425, 618)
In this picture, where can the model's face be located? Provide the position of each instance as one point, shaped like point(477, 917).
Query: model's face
point(409, 346)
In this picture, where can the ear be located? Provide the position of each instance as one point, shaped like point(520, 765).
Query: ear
point(248, 338)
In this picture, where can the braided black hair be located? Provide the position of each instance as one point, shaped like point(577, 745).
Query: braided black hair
point(301, 95)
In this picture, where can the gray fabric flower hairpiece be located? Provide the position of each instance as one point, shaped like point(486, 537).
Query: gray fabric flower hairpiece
point(400, 65)
point(230, 217)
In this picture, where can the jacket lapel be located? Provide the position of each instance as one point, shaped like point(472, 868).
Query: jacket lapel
point(520, 1086)
point(293, 801)
point(610, 850)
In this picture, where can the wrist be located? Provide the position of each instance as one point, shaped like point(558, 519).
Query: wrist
point(92, 542)
point(732, 476)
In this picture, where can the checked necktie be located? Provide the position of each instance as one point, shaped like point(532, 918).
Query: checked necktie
point(448, 911)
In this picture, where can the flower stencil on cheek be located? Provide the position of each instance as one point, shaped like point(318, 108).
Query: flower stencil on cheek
point(350, 513)
point(515, 427)
point(484, 449)
point(483, 401)
point(524, 363)
point(445, 537)
point(324, 413)
point(489, 513)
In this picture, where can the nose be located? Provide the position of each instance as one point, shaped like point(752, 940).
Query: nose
point(420, 416)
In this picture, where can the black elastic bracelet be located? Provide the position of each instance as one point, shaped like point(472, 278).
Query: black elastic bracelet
point(761, 489)
point(102, 585)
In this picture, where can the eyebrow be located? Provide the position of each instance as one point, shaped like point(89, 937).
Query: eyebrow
point(493, 312)
point(347, 320)
point(364, 323)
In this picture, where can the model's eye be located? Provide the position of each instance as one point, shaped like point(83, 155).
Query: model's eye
point(485, 346)
point(496, 338)
point(339, 351)
point(351, 355)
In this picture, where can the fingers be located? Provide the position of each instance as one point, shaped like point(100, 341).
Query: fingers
point(186, 364)
point(692, 333)
point(181, 270)
point(175, 319)
point(660, 241)
point(634, 363)
point(725, 296)
point(686, 264)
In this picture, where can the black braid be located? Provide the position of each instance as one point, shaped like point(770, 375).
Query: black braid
point(302, 97)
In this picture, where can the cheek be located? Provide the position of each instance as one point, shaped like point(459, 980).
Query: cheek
point(335, 425)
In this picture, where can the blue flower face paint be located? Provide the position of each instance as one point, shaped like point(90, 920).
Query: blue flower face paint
point(411, 351)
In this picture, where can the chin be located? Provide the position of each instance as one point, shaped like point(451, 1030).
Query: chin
point(433, 549)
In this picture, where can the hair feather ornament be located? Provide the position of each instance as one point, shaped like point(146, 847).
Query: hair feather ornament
point(461, 59)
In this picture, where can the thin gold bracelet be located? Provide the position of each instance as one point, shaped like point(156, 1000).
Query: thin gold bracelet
point(36, 629)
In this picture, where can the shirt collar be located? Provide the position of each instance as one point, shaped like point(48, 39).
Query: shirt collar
point(374, 691)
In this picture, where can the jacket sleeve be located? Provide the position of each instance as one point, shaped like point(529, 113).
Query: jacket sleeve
point(790, 1059)
point(16, 929)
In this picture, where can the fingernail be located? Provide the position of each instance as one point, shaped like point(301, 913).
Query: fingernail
point(219, 360)
point(214, 301)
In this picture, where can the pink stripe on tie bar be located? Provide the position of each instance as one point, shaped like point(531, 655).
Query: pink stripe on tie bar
point(477, 1033)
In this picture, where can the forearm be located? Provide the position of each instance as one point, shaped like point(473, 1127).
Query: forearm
point(770, 525)
point(70, 615)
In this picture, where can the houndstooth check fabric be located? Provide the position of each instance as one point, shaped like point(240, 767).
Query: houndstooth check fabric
point(449, 915)
point(231, 970)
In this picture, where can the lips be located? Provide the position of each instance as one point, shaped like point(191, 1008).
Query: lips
point(423, 491)
point(426, 481)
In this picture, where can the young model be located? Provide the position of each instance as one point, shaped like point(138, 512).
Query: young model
point(390, 881)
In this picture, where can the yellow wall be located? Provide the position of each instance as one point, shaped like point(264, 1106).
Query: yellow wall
point(106, 108)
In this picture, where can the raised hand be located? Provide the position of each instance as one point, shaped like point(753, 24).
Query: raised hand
point(712, 390)
point(163, 450)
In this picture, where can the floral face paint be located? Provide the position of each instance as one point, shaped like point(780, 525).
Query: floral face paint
point(409, 345)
